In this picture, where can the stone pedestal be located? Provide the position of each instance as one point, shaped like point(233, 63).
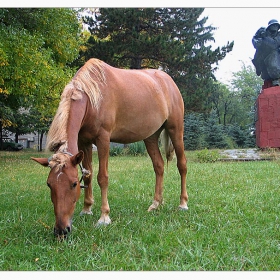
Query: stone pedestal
point(268, 118)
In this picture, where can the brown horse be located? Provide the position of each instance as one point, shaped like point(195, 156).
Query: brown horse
point(103, 104)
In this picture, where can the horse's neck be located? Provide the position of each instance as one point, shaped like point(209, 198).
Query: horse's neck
point(77, 114)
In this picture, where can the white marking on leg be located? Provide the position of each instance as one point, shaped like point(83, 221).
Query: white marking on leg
point(183, 207)
point(104, 220)
point(154, 206)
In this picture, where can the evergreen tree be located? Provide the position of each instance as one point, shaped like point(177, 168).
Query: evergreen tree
point(214, 133)
point(193, 131)
point(237, 134)
point(173, 39)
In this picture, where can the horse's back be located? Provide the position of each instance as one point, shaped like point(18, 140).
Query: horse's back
point(136, 103)
point(148, 84)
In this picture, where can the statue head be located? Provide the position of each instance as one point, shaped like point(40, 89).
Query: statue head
point(273, 26)
point(273, 21)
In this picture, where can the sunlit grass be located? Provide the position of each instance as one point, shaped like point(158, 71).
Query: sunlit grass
point(232, 222)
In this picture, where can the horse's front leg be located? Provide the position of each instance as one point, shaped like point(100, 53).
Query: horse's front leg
point(87, 164)
point(103, 148)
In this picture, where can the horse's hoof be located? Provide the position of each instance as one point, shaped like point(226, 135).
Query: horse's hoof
point(154, 206)
point(183, 207)
point(85, 213)
point(103, 222)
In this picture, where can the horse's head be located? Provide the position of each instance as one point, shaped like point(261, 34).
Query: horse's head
point(65, 188)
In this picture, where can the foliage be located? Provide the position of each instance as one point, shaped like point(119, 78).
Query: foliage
point(206, 155)
point(205, 131)
point(134, 149)
point(6, 115)
point(173, 39)
point(223, 101)
point(214, 133)
point(227, 227)
point(36, 46)
point(246, 83)
point(236, 104)
point(235, 107)
point(116, 150)
point(193, 136)
point(250, 140)
point(238, 135)
point(246, 86)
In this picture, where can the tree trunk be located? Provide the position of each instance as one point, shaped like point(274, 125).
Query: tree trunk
point(41, 141)
point(136, 63)
point(16, 136)
point(1, 135)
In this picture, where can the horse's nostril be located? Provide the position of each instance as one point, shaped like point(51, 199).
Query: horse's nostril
point(56, 232)
point(62, 234)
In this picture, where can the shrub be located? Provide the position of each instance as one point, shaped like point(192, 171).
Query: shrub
point(116, 150)
point(207, 155)
point(134, 149)
point(137, 148)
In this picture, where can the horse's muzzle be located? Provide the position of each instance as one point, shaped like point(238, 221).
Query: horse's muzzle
point(61, 234)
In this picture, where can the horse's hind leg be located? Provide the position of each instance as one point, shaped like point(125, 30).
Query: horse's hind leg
point(176, 136)
point(158, 164)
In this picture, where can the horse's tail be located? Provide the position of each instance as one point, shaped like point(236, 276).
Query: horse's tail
point(168, 146)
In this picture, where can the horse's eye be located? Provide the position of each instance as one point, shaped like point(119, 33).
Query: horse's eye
point(48, 185)
point(74, 185)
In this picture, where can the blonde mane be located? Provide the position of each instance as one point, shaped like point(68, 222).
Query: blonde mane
point(87, 81)
point(58, 161)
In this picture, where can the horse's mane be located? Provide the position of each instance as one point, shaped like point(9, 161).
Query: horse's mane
point(87, 81)
point(58, 161)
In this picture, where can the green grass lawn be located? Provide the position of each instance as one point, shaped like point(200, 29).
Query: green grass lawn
point(232, 222)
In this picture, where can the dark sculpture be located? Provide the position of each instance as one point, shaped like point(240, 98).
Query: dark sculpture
point(267, 57)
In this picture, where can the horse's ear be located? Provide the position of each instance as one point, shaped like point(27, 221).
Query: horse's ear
point(76, 159)
point(42, 161)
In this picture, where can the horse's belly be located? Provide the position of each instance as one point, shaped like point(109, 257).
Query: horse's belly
point(132, 133)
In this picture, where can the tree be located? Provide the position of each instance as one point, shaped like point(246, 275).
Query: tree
point(214, 133)
point(238, 135)
point(246, 86)
point(193, 126)
point(222, 100)
point(36, 48)
point(6, 119)
point(41, 125)
point(235, 104)
point(173, 39)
